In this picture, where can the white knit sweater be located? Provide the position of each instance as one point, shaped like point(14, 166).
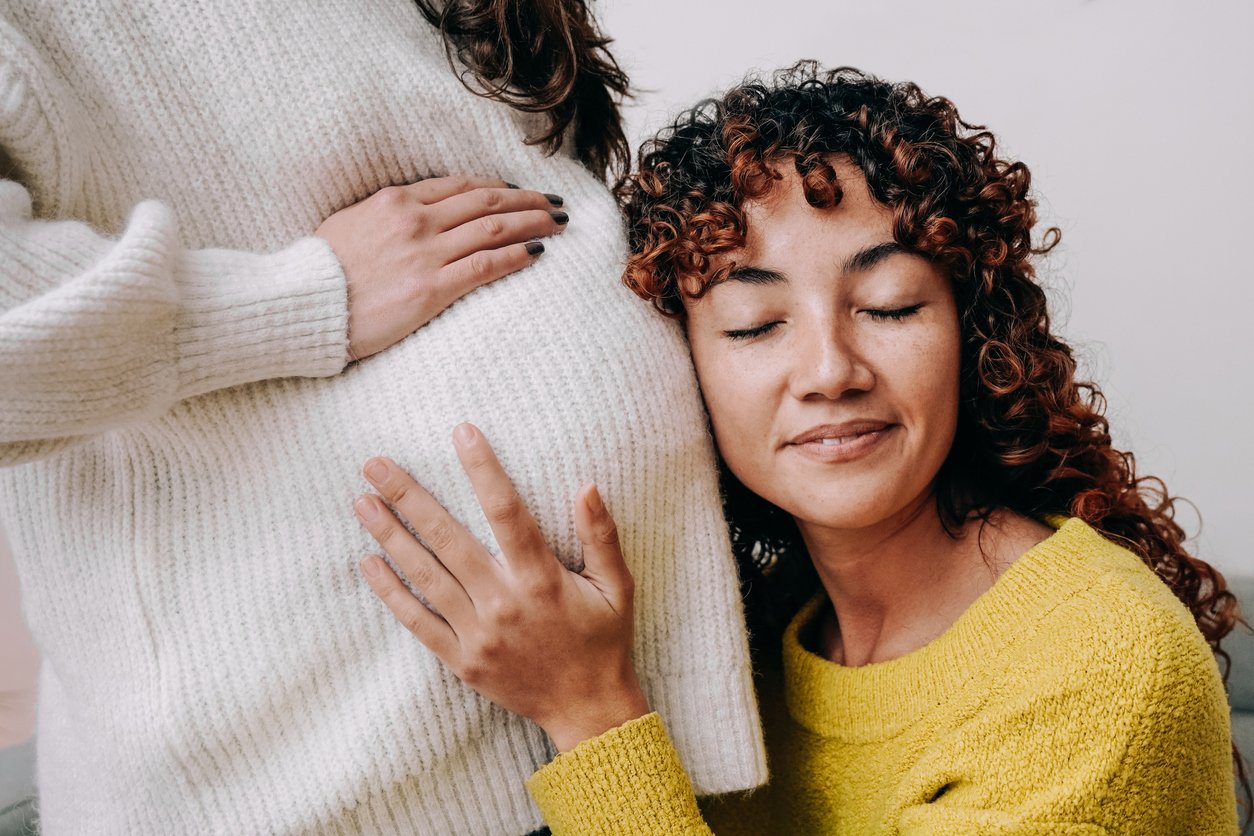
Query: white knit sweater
point(183, 441)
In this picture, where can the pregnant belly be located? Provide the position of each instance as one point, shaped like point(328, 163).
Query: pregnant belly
point(250, 644)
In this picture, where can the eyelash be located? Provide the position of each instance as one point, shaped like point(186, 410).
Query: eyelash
point(750, 333)
point(893, 314)
point(896, 314)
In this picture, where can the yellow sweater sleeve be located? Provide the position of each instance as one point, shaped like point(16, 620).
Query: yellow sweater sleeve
point(627, 781)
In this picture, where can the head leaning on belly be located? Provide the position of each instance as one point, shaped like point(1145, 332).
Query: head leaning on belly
point(810, 167)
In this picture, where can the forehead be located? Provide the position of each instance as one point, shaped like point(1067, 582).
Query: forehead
point(784, 227)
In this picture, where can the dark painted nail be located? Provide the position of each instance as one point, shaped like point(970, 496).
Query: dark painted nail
point(560, 217)
point(534, 248)
point(510, 185)
point(555, 199)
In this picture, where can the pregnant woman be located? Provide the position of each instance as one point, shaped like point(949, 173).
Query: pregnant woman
point(183, 429)
point(1000, 630)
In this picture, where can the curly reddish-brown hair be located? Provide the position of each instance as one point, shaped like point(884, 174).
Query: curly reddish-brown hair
point(1031, 437)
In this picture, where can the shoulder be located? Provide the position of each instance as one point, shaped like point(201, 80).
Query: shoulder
point(1102, 704)
point(1120, 690)
point(1115, 639)
point(1110, 600)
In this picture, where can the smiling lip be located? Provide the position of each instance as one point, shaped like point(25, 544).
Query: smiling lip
point(832, 443)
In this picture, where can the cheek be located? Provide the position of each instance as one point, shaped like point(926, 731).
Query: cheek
point(932, 386)
point(736, 399)
point(717, 387)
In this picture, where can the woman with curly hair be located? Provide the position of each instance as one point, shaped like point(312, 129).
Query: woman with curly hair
point(971, 613)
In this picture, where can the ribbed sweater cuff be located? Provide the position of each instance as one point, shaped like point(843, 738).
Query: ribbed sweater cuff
point(244, 317)
point(628, 780)
point(713, 717)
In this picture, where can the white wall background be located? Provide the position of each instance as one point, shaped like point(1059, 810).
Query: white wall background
point(1137, 121)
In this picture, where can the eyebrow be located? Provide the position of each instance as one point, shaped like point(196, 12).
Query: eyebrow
point(863, 259)
point(868, 257)
point(756, 275)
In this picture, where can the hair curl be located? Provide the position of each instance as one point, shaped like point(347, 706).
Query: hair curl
point(547, 57)
point(1030, 438)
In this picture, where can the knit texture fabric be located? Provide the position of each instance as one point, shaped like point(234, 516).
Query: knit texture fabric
point(183, 440)
point(1074, 697)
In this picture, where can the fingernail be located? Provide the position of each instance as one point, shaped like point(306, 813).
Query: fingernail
point(376, 471)
point(560, 217)
point(365, 508)
point(534, 248)
point(464, 434)
point(510, 185)
point(370, 566)
point(595, 504)
point(555, 199)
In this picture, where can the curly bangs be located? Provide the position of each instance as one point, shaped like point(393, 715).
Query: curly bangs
point(953, 199)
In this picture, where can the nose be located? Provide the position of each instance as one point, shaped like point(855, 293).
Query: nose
point(829, 364)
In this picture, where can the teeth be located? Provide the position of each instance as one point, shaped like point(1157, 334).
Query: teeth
point(832, 442)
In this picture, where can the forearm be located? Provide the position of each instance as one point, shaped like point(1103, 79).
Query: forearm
point(96, 332)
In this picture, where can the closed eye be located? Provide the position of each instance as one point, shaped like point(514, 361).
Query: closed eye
point(750, 333)
point(895, 314)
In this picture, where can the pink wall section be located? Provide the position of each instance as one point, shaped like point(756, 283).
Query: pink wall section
point(19, 662)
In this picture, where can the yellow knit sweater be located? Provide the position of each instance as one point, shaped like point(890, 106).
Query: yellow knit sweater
point(1076, 696)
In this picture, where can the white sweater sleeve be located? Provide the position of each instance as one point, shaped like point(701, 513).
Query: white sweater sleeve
point(98, 332)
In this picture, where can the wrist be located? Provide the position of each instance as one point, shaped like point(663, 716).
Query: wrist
point(574, 726)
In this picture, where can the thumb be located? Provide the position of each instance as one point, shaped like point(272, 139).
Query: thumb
point(603, 563)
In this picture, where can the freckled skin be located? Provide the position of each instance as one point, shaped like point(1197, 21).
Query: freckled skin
point(829, 360)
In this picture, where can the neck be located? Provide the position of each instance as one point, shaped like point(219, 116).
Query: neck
point(897, 585)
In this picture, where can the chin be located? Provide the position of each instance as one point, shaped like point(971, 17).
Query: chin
point(851, 508)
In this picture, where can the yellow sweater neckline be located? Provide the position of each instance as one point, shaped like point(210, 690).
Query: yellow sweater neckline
point(877, 701)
